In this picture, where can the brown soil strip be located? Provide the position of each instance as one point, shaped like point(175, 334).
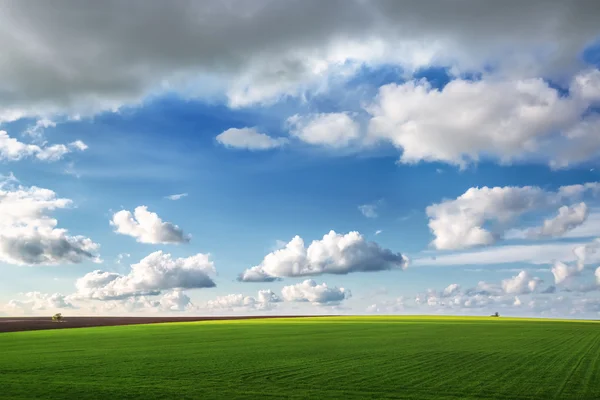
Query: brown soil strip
point(12, 324)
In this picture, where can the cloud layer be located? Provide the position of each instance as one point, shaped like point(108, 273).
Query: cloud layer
point(81, 59)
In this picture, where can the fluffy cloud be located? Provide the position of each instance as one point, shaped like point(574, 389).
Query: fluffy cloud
point(153, 274)
point(263, 301)
point(147, 227)
point(522, 283)
point(176, 300)
point(13, 150)
point(597, 273)
point(178, 196)
point(310, 291)
point(451, 290)
point(334, 254)
point(261, 51)
point(333, 130)
point(249, 138)
point(505, 119)
point(36, 301)
point(460, 223)
point(568, 218)
point(563, 273)
point(28, 235)
point(483, 295)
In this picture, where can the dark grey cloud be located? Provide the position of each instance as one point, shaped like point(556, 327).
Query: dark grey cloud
point(83, 57)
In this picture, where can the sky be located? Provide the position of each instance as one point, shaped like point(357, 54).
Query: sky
point(300, 157)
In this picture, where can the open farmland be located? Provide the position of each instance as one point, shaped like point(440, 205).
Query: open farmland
point(338, 357)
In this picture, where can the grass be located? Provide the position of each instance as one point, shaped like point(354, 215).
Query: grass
point(339, 357)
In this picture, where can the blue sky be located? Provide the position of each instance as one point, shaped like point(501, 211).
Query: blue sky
point(380, 120)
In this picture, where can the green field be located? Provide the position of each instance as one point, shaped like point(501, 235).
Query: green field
point(328, 358)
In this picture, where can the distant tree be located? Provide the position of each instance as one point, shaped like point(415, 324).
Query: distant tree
point(57, 317)
point(495, 314)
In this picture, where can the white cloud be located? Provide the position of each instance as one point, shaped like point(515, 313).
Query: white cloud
point(378, 232)
point(529, 253)
point(460, 223)
point(334, 254)
point(451, 290)
point(175, 300)
point(333, 130)
point(483, 295)
point(265, 300)
point(586, 85)
point(147, 227)
point(504, 119)
point(522, 283)
point(590, 228)
point(368, 210)
point(36, 301)
point(37, 130)
point(310, 291)
point(562, 272)
point(176, 196)
point(12, 149)
point(153, 274)
point(28, 235)
point(597, 273)
point(249, 139)
point(568, 218)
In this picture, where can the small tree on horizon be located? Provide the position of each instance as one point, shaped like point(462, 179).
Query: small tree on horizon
point(57, 317)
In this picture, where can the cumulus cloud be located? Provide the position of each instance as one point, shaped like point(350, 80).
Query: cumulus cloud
point(310, 291)
point(563, 273)
point(12, 149)
point(334, 254)
point(262, 51)
point(523, 283)
point(147, 227)
point(483, 295)
point(36, 301)
point(29, 236)
point(503, 119)
point(265, 300)
point(461, 223)
point(333, 130)
point(153, 274)
point(249, 139)
point(597, 273)
point(175, 300)
point(176, 196)
point(451, 290)
point(568, 218)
